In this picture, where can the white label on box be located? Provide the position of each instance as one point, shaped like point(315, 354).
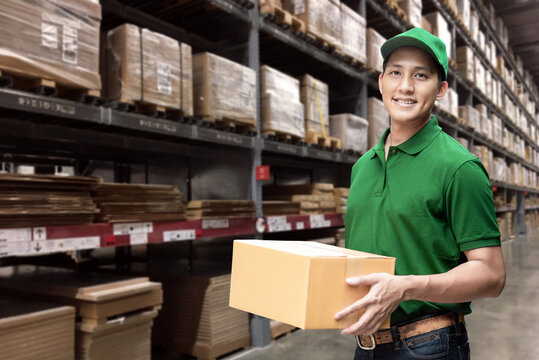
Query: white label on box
point(40, 233)
point(300, 225)
point(279, 227)
point(9, 235)
point(49, 35)
point(164, 78)
point(71, 45)
point(273, 220)
point(139, 238)
point(179, 235)
point(132, 228)
point(215, 223)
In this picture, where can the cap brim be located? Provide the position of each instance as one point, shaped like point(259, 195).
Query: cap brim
point(397, 42)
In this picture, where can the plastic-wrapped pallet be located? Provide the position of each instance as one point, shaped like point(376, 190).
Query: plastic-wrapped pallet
point(508, 139)
point(353, 34)
point(483, 153)
point(54, 40)
point(474, 25)
point(412, 9)
point(223, 89)
point(486, 128)
point(445, 103)
point(352, 130)
point(481, 40)
point(500, 170)
point(322, 17)
point(315, 99)
point(469, 117)
point(465, 62)
point(187, 79)
point(143, 66)
point(378, 120)
point(440, 29)
point(374, 42)
point(464, 10)
point(453, 102)
point(497, 129)
point(281, 109)
point(479, 74)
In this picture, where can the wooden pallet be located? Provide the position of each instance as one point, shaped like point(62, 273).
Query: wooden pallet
point(320, 140)
point(283, 137)
point(282, 18)
point(279, 329)
point(237, 125)
point(48, 87)
point(394, 5)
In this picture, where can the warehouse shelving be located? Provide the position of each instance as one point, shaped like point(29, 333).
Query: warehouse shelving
point(240, 33)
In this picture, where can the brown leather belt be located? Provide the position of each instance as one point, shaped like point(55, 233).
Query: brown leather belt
point(409, 330)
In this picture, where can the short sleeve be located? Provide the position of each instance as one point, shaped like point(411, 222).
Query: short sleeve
point(470, 207)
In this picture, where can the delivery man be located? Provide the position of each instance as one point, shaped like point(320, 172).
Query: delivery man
point(422, 198)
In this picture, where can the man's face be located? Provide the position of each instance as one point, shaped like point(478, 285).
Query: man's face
point(409, 85)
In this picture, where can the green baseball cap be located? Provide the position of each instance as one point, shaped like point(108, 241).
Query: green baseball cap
point(422, 39)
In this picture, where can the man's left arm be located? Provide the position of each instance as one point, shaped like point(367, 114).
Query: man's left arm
point(483, 275)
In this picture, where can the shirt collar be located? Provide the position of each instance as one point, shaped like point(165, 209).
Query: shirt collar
point(416, 143)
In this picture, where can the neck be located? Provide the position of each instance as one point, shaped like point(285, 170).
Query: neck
point(400, 132)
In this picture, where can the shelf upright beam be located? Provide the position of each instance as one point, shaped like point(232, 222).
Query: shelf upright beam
point(260, 326)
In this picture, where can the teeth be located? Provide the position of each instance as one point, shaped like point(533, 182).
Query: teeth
point(405, 102)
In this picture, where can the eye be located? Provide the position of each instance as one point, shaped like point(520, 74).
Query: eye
point(421, 75)
point(395, 72)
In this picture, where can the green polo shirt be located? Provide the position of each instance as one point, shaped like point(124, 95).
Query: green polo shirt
point(430, 201)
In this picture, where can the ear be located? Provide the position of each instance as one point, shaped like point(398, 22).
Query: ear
point(380, 82)
point(442, 89)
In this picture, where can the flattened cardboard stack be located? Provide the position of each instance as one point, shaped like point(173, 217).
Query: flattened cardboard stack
point(207, 209)
point(312, 198)
point(34, 200)
point(341, 199)
point(281, 207)
point(135, 202)
point(34, 330)
point(282, 112)
point(150, 68)
point(223, 89)
point(116, 311)
point(54, 40)
point(196, 319)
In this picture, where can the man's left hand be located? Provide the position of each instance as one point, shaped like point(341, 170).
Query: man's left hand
point(385, 294)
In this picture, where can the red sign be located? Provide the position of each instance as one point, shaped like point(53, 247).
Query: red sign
point(263, 172)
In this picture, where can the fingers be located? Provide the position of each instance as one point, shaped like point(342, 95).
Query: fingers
point(368, 324)
point(366, 280)
point(355, 307)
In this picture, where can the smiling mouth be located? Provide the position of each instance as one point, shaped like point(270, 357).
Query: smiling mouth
point(405, 102)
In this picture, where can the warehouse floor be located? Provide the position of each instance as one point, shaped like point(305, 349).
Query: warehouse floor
point(504, 328)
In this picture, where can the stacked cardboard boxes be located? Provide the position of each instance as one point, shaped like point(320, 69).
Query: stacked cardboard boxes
point(500, 170)
point(52, 40)
point(486, 157)
point(412, 9)
point(341, 199)
point(314, 95)
point(374, 58)
point(465, 62)
point(318, 198)
point(441, 29)
point(469, 116)
point(486, 124)
point(207, 209)
point(378, 120)
point(282, 112)
point(352, 130)
point(148, 68)
point(223, 89)
point(353, 34)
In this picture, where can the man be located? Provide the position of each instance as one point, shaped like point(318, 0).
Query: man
point(423, 198)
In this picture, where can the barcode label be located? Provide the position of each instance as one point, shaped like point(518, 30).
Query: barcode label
point(71, 46)
point(279, 227)
point(49, 35)
point(164, 79)
point(132, 228)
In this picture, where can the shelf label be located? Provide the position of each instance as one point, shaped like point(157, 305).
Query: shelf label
point(40, 233)
point(273, 220)
point(9, 235)
point(46, 105)
point(229, 138)
point(215, 224)
point(279, 227)
point(318, 221)
point(179, 235)
point(300, 225)
point(8, 248)
point(167, 126)
point(132, 228)
point(138, 238)
point(288, 149)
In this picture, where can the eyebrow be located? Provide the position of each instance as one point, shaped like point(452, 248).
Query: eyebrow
point(415, 67)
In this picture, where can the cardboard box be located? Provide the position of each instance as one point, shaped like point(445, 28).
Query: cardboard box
point(425, 24)
point(464, 10)
point(322, 17)
point(378, 120)
point(470, 117)
point(223, 89)
point(290, 281)
point(351, 129)
point(187, 79)
point(314, 95)
point(374, 42)
point(441, 29)
point(465, 62)
point(412, 9)
point(53, 40)
point(353, 34)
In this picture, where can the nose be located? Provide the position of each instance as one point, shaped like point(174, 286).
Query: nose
point(406, 85)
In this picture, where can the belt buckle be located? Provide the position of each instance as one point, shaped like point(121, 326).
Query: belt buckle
point(367, 348)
